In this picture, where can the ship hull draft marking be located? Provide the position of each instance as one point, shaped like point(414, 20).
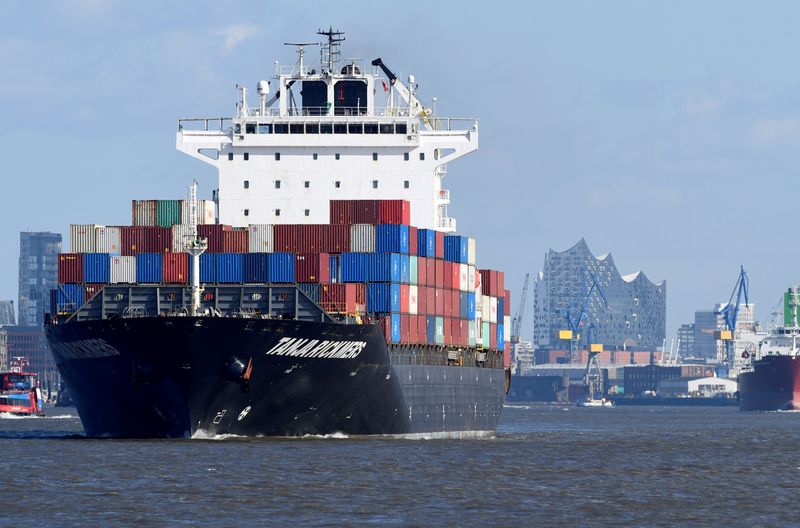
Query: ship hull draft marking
point(143, 391)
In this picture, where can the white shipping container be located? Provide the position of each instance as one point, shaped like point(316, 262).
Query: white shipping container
point(471, 251)
point(362, 238)
point(493, 310)
point(261, 238)
point(180, 235)
point(507, 328)
point(108, 240)
point(123, 270)
point(82, 238)
point(486, 307)
point(471, 278)
point(205, 212)
point(463, 277)
point(144, 212)
point(413, 293)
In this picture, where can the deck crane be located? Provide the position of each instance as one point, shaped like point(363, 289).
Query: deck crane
point(730, 314)
point(516, 321)
point(415, 107)
point(575, 315)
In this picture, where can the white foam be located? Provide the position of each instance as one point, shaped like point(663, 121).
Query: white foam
point(202, 434)
point(516, 406)
point(338, 436)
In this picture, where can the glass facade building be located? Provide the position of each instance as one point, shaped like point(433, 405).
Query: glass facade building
point(38, 274)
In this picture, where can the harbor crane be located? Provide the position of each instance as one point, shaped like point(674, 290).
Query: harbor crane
point(730, 314)
point(516, 321)
point(574, 316)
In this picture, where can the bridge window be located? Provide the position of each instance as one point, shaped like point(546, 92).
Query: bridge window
point(340, 128)
point(315, 156)
point(326, 128)
point(307, 212)
point(277, 212)
point(405, 184)
point(374, 184)
point(312, 128)
point(400, 128)
point(246, 156)
point(355, 128)
point(387, 129)
point(277, 184)
point(405, 156)
point(374, 156)
point(370, 128)
point(277, 156)
point(296, 128)
point(281, 128)
point(250, 128)
point(247, 212)
point(306, 184)
point(337, 184)
point(230, 156)
point(422, 156)
point(247, 184)
point(265, 128)
point(336, 156)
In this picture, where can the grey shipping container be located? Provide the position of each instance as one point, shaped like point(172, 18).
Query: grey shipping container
point(107, 240)
point(122, 270)
point(82, 238)
point(362, 238)
point(260, 238)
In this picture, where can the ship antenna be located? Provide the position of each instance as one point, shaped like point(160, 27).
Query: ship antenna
point(301, 51)
point(329, 52)
point(194, 246)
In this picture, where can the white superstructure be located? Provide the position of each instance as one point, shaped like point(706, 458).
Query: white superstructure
point(337, 131)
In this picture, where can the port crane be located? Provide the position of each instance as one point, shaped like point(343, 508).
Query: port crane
point(730, 314)
point(516, 321)
point(575, 315)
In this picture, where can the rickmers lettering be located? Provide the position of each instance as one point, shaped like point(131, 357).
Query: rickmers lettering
point(314, 348)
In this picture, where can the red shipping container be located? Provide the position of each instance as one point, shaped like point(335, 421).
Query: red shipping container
point(394, 212)
point(439, 280)
point(347, 298)
point(493, 336)
point(455, 303)
point(422, 271)
point(312, 267)
point(145, 239)
point(439, 301)
point(463, 332)
point(431, 272)
point(405, 325)
point(439, 245)
point(489, 285)
point(308, 238)
point(175, 268)
point(70, 268)
point(422, 298)
point(341, 212)
point(334, 238)
point(386, 326)
point(412, 242)
point(507, 356)
point(507, 303)
point(90, 290)
point(234, 241)
point(448, 303)
point(430, 301)
point(422, 329)
point(285, 238)
point(447, 281)
point(365, 212)
point(404, 298)
point(455, 275)
point(501, 280)
point(412, 329)
point(214, 233)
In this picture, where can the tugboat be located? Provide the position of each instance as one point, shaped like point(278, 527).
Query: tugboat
point(19, 390)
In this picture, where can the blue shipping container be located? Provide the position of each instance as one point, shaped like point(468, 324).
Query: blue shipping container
point(463, 305)
point(96, 267)
point(501, 343)
point(280, 267)
point(405, 269)
point(208, 269)
point(149, 268)
point(395, 328)
point(391, 238)
point(426, 243)
point(471, 306)
point(334, 269)
point(354, 267)
point(66, 298)
point(255, 267)
point(430, 329)
point(229, 267)
point(501, 308)
point(456, 248)
point(383, 267)
point(383, 298)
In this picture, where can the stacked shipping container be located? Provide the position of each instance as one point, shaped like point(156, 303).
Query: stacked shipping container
point(420, 284)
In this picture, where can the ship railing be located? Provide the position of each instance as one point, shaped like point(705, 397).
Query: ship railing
point(326, 111)
point(204, 124)
point(446, 223)
point(314, 70)
point(448, 124)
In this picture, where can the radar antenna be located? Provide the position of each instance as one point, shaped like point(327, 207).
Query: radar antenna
point(301, 51)
point(329, 51)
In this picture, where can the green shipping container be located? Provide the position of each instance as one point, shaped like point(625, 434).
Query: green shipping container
point(412, 270)
point(439, 333)
point(168, 213)
point(471, 333)
point(485, 331)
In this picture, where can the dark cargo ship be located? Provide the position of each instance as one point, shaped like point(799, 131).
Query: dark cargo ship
point(377, 322)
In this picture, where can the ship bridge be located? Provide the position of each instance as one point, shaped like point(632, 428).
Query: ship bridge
point(339, 130)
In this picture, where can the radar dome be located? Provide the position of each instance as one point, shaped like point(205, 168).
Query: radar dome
point(263, 87)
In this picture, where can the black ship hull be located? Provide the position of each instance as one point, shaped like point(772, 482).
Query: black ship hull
point(772, 385)
point(177, 376)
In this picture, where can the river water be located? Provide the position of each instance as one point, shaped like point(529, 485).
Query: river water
point(547, 466)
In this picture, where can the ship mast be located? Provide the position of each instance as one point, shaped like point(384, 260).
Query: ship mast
point(194, 246)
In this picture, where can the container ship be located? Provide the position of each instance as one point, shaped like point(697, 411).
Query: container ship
point(771, 381)
point(323, 289)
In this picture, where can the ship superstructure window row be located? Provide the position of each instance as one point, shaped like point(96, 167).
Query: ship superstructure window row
point(324, 128)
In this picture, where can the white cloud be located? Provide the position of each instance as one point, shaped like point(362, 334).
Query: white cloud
point(234, 35)
point(781, 130)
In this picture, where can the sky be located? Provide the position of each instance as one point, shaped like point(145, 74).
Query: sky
point(665, 133)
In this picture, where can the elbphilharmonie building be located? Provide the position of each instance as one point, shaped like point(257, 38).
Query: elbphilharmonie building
point(633, 319)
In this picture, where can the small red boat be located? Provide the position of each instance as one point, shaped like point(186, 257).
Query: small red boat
point(19, 390)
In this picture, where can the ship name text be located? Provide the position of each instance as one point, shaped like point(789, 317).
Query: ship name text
point(315, 348)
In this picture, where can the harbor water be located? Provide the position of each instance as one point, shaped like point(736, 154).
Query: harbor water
point(547, 465)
